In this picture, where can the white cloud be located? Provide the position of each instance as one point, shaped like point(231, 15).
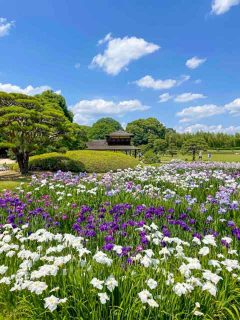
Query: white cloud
point(194, 62)
point(5, 26)
point(77, 65)
point(209, 128)
point(149, 82)
point(183, 79)
point(204, 111)
point(233, 107)
point(199, 112)
point(120, 52)
point(188, 96)
point(181, 98)
point(222, 6)
point(29, 90)
point(85, 111)
point(165, 97)
point(107, 38)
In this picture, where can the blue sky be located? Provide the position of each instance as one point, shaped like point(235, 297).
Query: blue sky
point(177, 60)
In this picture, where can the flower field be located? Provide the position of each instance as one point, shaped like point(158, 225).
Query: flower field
point(144, 243)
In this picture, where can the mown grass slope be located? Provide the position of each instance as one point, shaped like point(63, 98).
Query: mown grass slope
point(90, 161)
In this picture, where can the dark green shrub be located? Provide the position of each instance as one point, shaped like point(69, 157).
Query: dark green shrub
point(62, 150)
point(55, 163)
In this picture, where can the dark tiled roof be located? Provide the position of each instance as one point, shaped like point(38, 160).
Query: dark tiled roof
point(120, 133)
point(96, 143)
point(102, 145)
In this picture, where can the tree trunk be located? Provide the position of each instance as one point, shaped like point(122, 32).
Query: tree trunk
point(23, 160)
point(193, 155)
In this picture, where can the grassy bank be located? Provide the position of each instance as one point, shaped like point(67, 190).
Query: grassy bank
point(83, 160)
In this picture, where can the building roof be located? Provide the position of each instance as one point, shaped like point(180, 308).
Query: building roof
point(103, 145)
point(120, 133)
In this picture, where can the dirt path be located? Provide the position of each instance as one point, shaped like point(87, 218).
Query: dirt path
point(9, 175)
point(6, 161)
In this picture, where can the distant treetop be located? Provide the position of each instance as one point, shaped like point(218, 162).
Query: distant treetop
point(103, 127)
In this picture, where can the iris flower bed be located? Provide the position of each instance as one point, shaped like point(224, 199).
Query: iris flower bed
point(143, 243)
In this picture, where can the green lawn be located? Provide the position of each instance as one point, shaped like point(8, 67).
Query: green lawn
point(10, 183)
point(225, 156)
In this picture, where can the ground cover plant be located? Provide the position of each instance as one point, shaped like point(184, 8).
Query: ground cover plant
point(143, 243)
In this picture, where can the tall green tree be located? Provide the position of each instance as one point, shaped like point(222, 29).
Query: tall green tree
point(76, 138)
point(102, 127)
point(160, 145)
point(50, 97)
point(194, 145)
point(26, 124)
point(146, 130)
point(172, 149)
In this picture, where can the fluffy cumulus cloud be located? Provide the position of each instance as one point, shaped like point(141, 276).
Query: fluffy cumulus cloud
point(5, 26)
point(209, 128)
point(165, 97)
point(199, 112)
point(29, 90)
point(195, 62)
point(120, 52)
point(86, 111)
point(233, 107)
point(189, 96)
point(222, 6)
point(150, 83)
point(204, 111)
point(181, 98)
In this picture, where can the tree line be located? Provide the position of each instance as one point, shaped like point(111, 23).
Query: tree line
point(151, 134)
point(42, 123)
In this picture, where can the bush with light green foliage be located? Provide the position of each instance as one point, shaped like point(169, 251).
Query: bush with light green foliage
point(151, 157)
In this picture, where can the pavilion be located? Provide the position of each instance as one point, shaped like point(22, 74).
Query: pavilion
point(115, 141)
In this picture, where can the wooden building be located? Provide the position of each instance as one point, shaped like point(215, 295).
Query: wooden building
point(115, 141)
